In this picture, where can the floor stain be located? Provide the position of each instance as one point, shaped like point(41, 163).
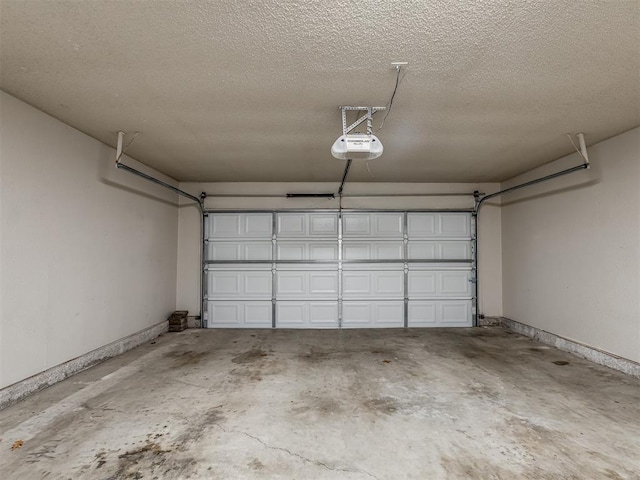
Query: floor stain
point(560, 362)
point(150, 460)
point(386, 405)
point(613, 474)
point(484, 391)
point(385, 352)
point(241, 375)
point(315, 356)
point(151, 447)
point(465, 466)
point(317, 405)
point(182, 359)
point(48, 450)
point(133, 463)
point(255, 464)
point(250, 356)
point(200, 425)
point(101, 459)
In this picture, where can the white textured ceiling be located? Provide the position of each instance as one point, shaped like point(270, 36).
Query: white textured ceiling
point(234, 90)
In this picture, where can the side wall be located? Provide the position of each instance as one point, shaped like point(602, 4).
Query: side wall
point(189, 224)
point(571, 249)
point(87, 253)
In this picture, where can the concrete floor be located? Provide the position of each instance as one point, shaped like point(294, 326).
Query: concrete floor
point(353, 404)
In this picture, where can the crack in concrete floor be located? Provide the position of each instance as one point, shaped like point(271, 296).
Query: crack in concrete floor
point(297, 455)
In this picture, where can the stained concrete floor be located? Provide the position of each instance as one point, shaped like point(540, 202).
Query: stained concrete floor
point(352, 404)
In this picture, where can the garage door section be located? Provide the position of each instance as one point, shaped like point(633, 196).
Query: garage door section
point(325, 270)
point(373, 270)
point(239, 277)
point(306, 275)
point(439, 283)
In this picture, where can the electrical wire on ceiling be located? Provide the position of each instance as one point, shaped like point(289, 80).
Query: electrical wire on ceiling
point(369, 169)
point(393, 95)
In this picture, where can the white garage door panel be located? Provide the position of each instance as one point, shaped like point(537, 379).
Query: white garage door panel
point(439, 224)
point(439, 313)
point(291, 314)
point(298, 284)
point(421, 224)
point(372, 284)
point(239, 250)
point(393, 250)
point(239, 314)
point(376, 225)
point(320, 250)
point(225, 226)
point(228, 284)
point(307, 225)
point(455, 284)
point(292, 225)
point(372, 314)
point(439, 250)
point(240, 225)
point(455, 225)
point(434, 283)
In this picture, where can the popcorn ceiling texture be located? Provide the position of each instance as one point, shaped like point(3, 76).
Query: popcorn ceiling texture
point(248, 91)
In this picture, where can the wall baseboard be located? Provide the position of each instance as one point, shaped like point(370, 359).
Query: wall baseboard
point(489, 321)
point(579, 349)
point(23, 388)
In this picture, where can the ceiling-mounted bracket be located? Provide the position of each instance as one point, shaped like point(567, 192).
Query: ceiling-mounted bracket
point(581, 149)
point(119, 146)
point(368, 117)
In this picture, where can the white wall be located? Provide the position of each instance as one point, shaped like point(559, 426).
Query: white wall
point(87, 253)
point(189, 223)
point(571, 249)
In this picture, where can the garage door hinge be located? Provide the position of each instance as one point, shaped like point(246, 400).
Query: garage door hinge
point(473, 280)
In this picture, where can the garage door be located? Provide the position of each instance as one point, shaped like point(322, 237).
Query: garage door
point(325, 269)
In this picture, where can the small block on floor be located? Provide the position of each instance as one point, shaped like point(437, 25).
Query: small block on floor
point(178, 321)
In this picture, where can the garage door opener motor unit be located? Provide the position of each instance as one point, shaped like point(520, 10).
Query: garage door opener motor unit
point(357, 146)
